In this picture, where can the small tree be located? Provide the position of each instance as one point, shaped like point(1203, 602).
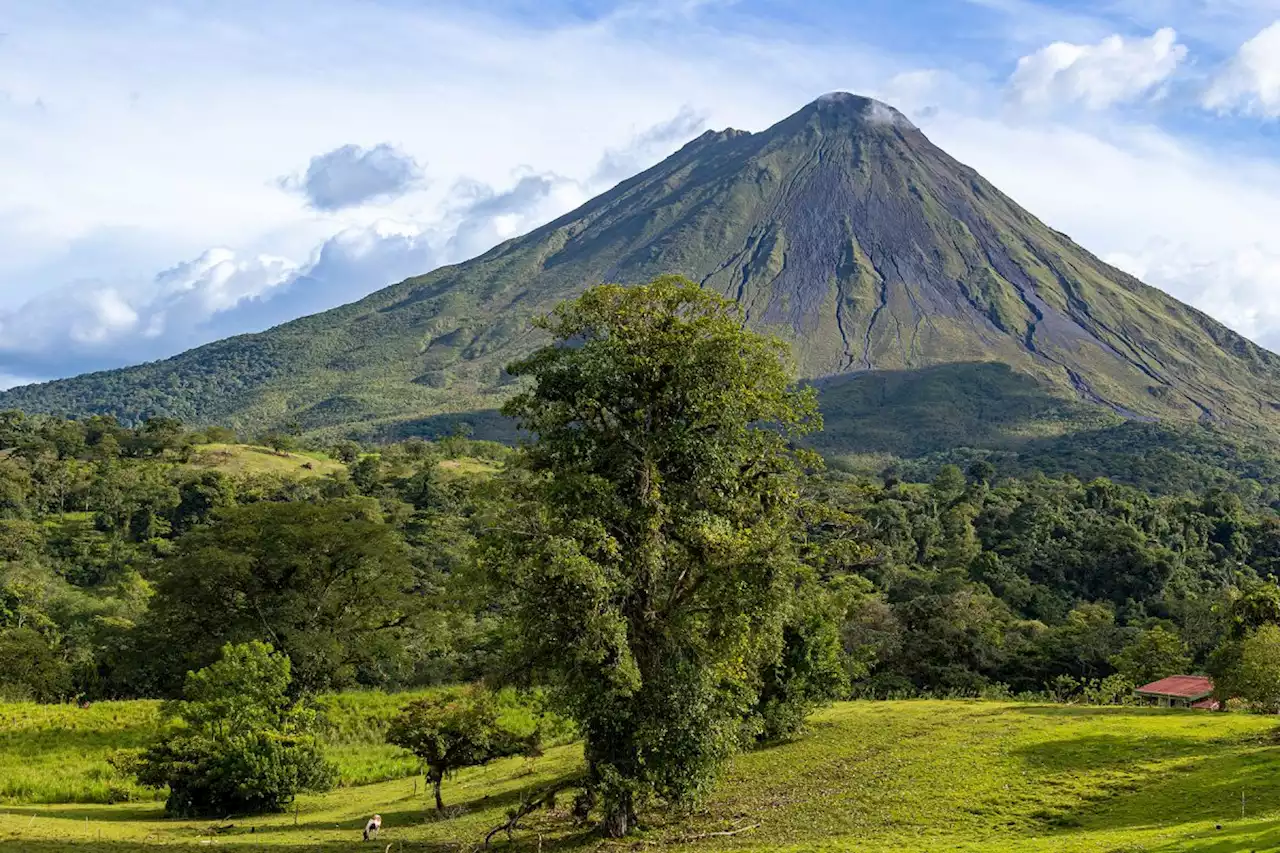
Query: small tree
point(1153, 654)
point(281, 442)
point(1254, 670)
point(244, 746)
point(346, 452)
point(452, 732)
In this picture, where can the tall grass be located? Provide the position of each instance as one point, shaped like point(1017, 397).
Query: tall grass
point(60, 753)
point(355, 723)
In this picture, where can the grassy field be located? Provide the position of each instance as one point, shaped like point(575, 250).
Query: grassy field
point(468, 467)
point(239, 459)
point(892, 776)
point(248, 459)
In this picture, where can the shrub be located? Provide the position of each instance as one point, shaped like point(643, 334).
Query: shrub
point(249, 773)
point(244, 747)
point(1115, 689)
point(808, 673)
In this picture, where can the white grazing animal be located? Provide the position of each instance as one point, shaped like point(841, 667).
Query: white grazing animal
point(371, 828)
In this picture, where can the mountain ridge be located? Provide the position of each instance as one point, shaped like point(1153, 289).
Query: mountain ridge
point(841, 227)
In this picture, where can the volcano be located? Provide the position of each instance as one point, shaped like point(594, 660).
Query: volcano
point(888, 265)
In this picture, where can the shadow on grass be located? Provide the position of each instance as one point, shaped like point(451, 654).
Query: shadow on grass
point(522, 842)
point(426, 813)
point(1101, 711)
point(1204, 786)
point(77, 742)
point(1239, 837)
point(153, 811)
point(1088, 753)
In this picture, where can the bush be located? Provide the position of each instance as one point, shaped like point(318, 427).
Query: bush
point(245, 747)
point(259, 771)
point(1115, 689)
point(29, 669)
point(809, 673)
point(452, 732)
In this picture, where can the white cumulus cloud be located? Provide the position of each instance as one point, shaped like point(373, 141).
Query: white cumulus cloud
point(1099, 75)
point(86, 323)
point(94, 324)
point(1250, 82)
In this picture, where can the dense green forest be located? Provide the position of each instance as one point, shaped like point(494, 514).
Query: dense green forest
point(123, 567)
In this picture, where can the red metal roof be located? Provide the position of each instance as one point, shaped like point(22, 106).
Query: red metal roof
point(1206, 705)
point(1180, 686)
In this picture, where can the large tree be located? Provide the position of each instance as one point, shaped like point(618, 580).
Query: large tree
point(649, 555)
point(329, 584)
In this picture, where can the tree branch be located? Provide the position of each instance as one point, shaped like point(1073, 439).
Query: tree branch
point(544, 797)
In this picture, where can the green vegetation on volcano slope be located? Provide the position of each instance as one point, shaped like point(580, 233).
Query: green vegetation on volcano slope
point(913, 422)
point(874, 776)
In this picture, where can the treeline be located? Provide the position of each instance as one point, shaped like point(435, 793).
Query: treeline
point(1159, 458)
point(964, 586)
point(123, 568)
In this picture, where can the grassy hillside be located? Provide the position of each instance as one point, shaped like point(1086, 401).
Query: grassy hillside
point(891, 776)
point(238, 459)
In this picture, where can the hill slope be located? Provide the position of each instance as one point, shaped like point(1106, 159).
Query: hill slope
point(842, 228)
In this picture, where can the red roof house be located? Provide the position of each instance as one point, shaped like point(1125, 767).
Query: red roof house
point(1179, 691)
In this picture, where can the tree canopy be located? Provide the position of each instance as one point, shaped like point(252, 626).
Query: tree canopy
point(329, 584)
point(449, 732)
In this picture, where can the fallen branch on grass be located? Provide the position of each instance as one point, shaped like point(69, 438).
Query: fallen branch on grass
point(544, 798)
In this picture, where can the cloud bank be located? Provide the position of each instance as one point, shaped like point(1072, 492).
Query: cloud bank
point(90, 325)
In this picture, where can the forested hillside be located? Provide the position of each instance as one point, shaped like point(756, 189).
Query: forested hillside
point(957, 585)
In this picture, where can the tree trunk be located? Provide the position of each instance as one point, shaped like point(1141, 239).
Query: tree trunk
point(436, 780)
point(584, 803)
point(619, 816)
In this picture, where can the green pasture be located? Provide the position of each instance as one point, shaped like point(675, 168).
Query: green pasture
point(869, 776)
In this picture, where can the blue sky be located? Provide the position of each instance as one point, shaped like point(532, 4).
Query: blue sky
point(179, 172)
